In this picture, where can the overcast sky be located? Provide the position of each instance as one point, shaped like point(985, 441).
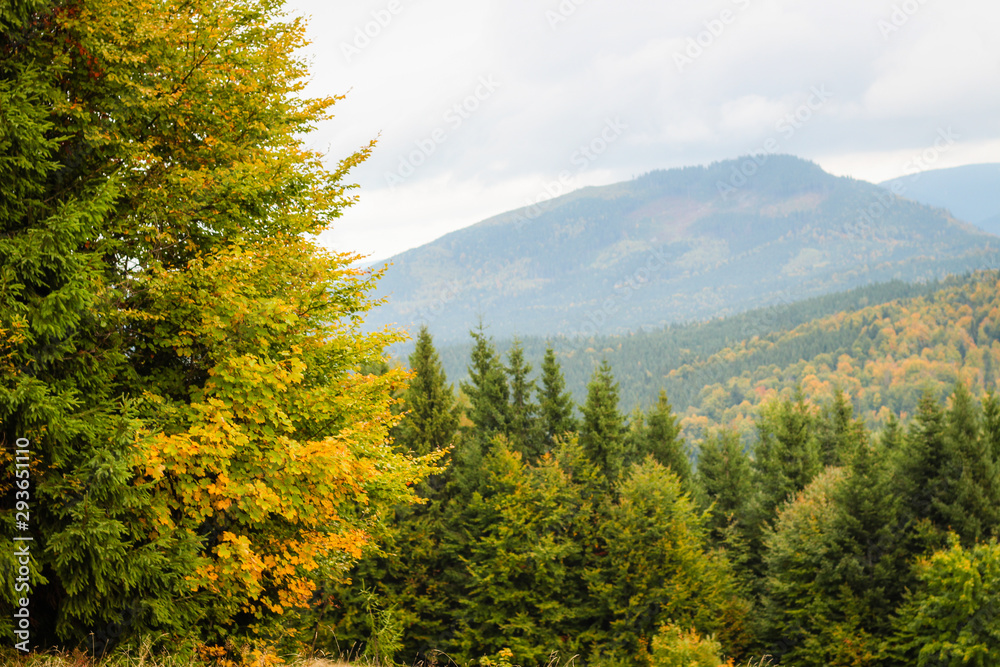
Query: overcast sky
point(482, 106)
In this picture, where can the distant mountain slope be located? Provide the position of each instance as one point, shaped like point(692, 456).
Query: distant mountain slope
point(883, 345)
point(884, 357)
point(672, 246)
point(971, 193)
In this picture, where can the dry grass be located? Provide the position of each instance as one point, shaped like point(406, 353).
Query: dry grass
point(136, 659)
point(142, 657)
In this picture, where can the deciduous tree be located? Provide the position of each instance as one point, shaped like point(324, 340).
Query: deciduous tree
point(189, 362)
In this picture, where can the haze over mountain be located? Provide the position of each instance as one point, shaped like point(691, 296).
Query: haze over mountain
point(672, 246)
point(970, 193)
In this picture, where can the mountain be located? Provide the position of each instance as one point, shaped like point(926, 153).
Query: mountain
point(882, 344)
point(970, 193)
point(672, 246)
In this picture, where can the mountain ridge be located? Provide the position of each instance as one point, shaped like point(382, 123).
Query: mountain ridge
point(970, 192)
point(672, 246)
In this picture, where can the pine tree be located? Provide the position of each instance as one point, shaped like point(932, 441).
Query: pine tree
point(487, 389)
point(603, 432)
point(556, 404)
point(431, 419)
point(525, 426)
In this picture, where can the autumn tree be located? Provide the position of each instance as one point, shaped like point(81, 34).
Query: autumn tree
point(189, 360)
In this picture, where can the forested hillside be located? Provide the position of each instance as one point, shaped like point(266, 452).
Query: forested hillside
point(883, 345)
point(675, 246)
point(606, 539)
point(644, 359)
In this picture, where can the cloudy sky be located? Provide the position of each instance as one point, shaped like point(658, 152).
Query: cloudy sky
point(482, 106)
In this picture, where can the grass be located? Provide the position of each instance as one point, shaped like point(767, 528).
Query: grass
point(144, 656)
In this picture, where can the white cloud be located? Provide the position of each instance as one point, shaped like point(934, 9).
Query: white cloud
point(559, 84)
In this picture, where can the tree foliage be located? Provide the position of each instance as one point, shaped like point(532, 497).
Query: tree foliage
point(188, 361)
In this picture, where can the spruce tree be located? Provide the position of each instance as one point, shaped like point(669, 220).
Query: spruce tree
point(603, 431)
point(525, 427)
point(971, 505)
point(431, 414)
point(870, 550)
point(555, 403)
point(787, 454)
point(922, 461)
point(991, 426)
point(662, 440)
point(487, 389)
point(839, 431)
point(725, 481)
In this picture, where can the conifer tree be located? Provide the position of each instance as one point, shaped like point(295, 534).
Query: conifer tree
point(870, 548)
point(661, 439)
point(487, 389)
point(525, 426)
point(971, 505)
point(431, 418)
point(839, 431)
point(991, 426)
point(658, 567)
point(603, 431)
point(787, 454)
point(725, 479)
point(923, 459)
point(556, 404)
